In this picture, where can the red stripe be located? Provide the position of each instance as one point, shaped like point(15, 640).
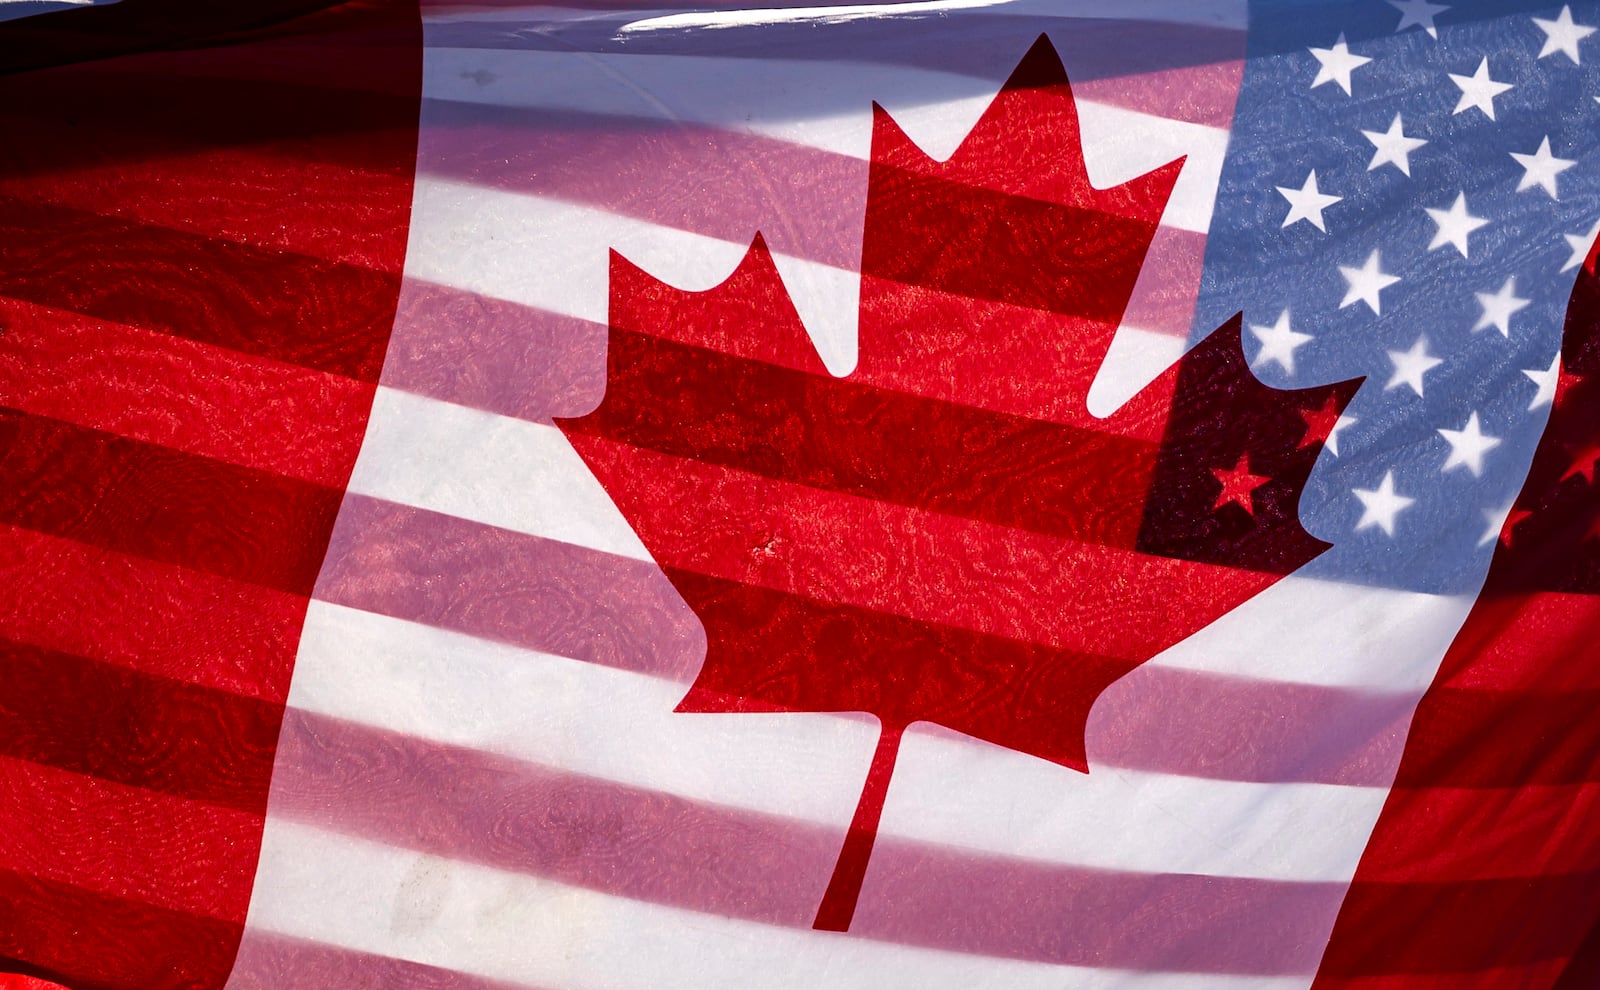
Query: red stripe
point(918, 562)
point(194, 149)
point(163, 620)
point(1582, 971)
point(162, 504)
point(952, 899)
point(495, 355)
point(1510, 645)
point(453, 574)
point(700, 175)
point(206, 400)
point(839, 436)
point(1238, 728)
point(1178, 82)
point(809, 656)
point(1169, 283)
point(928, 252)
point(1467, 928)
point(464, 803)
point(91, 941)
point(254, 300)
point(1521, 830)
point(130, 728)
point(1540, 739)
point(274, 962)
point(1525, 976)
point(1007, 358)
point(126, 842)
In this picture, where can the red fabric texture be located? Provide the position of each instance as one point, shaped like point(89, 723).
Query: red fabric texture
point(200, 260)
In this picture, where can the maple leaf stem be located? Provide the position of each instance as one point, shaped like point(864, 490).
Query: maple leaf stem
point(839, 901)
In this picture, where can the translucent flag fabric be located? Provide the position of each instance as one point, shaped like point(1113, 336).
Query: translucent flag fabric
point(930, 494)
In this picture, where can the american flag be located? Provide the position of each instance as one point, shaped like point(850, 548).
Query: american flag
point(305, 568)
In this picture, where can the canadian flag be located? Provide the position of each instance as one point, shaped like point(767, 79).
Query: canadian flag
point(662, 496)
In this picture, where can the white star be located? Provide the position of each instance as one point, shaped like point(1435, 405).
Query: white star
point(1410, 366)
point(1478, 90)
point(1496, 522)
point(1393, 147)
point(1546, 380)
point(1307, 202)
point(1418, 13)
point(1337, 64)
point(1332, 443)
point(1365, 283)
point(1278, 343)
point(1380, 505)
point(1561, 35)
point(1499, 306)
point(1454, 225)
point(1467, 447)
point(1580, 244)
point(1541, 168)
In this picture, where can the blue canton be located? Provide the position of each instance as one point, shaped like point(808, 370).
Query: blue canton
point(1409, 190)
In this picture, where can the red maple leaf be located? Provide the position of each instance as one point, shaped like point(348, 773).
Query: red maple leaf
point(945, 534)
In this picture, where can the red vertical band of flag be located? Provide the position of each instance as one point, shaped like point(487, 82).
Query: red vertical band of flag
point(200, 260)
point(1484, 867)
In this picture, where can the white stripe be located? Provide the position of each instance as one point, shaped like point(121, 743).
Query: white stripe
point(825, 105)
point(523, 476)
point(496, 924)
point(620, 726)
point(491, 469)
